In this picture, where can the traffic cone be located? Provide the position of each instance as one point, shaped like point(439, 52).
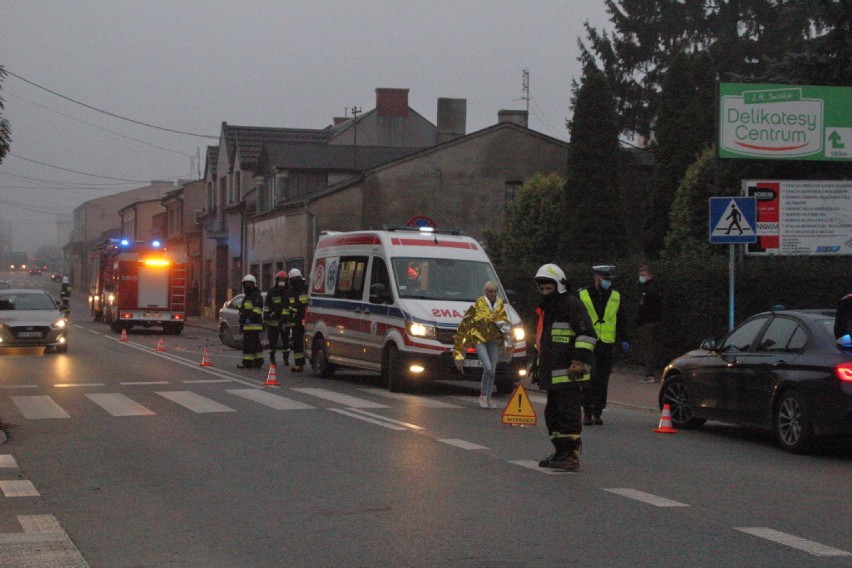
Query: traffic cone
point(271, 378)
point(160, 345)
point(123, 334)
point(205, 361)
point(665, 426)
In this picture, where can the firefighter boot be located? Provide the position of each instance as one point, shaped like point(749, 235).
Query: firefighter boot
point(588, 420)
point(567, 454)
point(545, 462)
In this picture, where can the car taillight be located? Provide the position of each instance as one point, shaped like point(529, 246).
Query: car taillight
point(844, 371)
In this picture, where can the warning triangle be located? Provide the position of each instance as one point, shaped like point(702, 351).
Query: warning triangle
point(519, 410)
point(732, 223)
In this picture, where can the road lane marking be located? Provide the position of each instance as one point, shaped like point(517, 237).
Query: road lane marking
point(143, 383)
point(462, 444)
point(418, 400)
point(808, 546)
point(43, 543)
point(203, 381)
point(645, 497)
point(367, 419)
point(344, 399)
point(386, 419)
point(18, 488)
point(19, 387)
point(7, 460)
point(119, 405)
point(66, 385)
point(271, 400)
point(195, 402)
point(530, 464)
point(39, 407)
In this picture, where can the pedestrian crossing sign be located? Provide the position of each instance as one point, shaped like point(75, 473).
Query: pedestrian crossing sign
point(733, 220)
point(519, 410)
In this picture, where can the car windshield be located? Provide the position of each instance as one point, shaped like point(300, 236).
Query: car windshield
point(25, 301)
point(441, 278)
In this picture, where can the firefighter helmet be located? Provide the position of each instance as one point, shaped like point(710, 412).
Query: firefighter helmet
point(553, 273)
point(281, 275)
point(295, 273)
point(65, 280)
point(249, 278)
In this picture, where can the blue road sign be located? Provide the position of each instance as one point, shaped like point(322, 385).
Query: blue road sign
point(733, 220)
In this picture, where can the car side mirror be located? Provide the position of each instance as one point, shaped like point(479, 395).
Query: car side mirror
point(511, 297)
point(709, 344)
point(379, 294)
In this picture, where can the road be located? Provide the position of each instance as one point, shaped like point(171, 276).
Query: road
point(120, 455)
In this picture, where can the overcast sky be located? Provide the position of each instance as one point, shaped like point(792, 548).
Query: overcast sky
point(189, 65)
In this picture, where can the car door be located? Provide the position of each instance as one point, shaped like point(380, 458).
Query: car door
point(347, 335)
point(714, 382)
point(376, 311)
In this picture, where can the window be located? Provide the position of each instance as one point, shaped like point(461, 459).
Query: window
point(282, 186)
point(778, 335)
point(350, 277)
point(441, 278)
point(379, 278)
point(510, 190)
point(742, 338)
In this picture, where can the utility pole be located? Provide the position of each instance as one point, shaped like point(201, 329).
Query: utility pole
point(525, 84)
point(355, 112)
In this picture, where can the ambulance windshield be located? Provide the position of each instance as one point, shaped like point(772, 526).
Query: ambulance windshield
point(441, 278)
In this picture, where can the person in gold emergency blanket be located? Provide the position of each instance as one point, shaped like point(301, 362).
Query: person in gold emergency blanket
point(484, 326)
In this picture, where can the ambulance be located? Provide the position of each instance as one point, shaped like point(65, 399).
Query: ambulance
point(391, 301)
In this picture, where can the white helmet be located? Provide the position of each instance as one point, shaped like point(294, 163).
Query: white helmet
point(65, 280)
point(554, 273)
point(295, 273)
point(250, 278)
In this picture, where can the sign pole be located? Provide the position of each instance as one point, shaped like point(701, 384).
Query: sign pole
point(731, 278)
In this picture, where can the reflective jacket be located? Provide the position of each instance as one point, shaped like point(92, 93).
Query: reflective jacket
point(276, 310)
point(603, 307)
point(564, 334)
point(479, 324)
point(251, 311)
point(297, 300)
point(65, 292)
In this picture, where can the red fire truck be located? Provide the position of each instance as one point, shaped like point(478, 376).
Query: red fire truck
point(137, 284)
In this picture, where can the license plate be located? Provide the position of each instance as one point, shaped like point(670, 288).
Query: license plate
point(29, 334)
point(472, 363)
point(154, 315)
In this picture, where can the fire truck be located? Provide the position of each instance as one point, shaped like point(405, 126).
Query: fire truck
point(137, 284)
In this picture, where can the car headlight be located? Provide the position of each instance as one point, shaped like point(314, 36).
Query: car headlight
point(59, 324)
point(420, 330)
point(111, 298)
point(518, 333)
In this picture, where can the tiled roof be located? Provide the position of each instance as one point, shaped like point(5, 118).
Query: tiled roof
point(250, 139)
point(294, 156)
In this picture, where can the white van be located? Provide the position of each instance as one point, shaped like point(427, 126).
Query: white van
point(391, 301)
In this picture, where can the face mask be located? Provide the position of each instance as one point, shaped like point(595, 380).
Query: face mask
point(605, 284)
point(642, 280)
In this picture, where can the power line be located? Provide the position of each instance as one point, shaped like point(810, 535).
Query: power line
point(107, 112)
point(74, 171)
point(86, 184)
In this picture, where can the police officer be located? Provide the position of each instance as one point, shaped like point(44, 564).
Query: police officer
point(65, 296)
point(604, 307)
point(297, 300)
point(251, 324)
point(276, 312)
point(564, 339)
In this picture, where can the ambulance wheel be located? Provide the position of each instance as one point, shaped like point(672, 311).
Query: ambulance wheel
point(392, 370)
point(319, 360)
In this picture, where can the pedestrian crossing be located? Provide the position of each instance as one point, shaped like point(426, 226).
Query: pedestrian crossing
point(65, 403)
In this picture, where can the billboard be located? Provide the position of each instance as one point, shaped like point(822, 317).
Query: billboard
point(801, 217)
point(784, 122)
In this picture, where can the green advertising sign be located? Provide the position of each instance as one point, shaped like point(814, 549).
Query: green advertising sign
point(785, 122)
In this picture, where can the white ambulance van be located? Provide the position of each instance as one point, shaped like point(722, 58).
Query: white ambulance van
point(391, 301)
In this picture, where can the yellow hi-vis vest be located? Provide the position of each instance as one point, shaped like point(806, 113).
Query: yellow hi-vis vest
point(605, 327)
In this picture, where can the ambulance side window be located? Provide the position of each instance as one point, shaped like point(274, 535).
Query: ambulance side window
point(350, 277)
point(380, 288)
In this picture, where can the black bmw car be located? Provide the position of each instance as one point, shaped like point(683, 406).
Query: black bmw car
point(780, 371)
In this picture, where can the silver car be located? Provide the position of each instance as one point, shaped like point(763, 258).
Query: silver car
point(30, 318)
point(229, 322)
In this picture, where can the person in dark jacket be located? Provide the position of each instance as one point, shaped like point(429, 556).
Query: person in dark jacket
point(564, 340)
point(297, 300)
point(251, 324)
point(843, 318)
point(649, 323)
point(65, 296)
point(276, 312)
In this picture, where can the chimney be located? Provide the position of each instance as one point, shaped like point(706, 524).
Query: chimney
point(519, 117)
point(392, 102)
point(339, 119)
point(452, 119)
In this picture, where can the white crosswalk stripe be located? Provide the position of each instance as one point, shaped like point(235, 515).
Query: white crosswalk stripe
point(195, 402)
point(39, 407)
point(119, 405)
point(271, 400)
point(343, 399)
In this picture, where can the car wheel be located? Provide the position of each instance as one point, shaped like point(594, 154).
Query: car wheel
point(226, 336)
point(392, 370)
point(793, 423)
point(673, 393)
point(319, 359)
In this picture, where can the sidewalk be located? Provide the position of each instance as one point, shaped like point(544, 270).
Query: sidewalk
point(625, 386)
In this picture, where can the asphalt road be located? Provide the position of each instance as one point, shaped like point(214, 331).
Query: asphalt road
point(123, 456)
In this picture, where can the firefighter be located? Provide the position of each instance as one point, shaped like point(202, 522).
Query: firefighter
point(251, 324)
point(65, 296)
point(604, 307)
point(565, 339)
point(276, 314)
point(298, 301)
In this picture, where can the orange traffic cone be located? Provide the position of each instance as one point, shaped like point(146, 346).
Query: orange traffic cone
point(271, 378)
point(160, 345)
point(665, 426)
point(205, 361)
point(123, 334)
